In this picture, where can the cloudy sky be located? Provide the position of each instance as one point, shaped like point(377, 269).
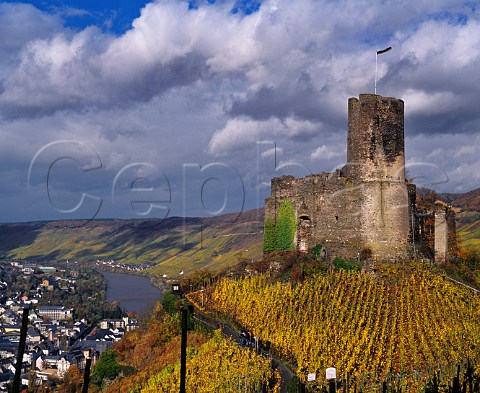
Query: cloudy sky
point(136, 109)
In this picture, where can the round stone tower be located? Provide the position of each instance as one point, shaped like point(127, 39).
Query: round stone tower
point(376, 162)
point(375, 147)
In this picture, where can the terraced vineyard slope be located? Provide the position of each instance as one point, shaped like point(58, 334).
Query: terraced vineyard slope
point(402, 321)
point(168, 245)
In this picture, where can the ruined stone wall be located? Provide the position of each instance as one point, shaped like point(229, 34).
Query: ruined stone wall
point(441, 234)
point(452, 244)
point(326, 208)
point(385, 219)
point(375, 145)
point(445, 233)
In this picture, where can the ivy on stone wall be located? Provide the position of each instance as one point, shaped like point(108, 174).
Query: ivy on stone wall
point(280, 236)
point(269, 236)
point(285, 228)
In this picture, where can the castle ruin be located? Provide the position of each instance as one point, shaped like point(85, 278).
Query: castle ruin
point(367, 206)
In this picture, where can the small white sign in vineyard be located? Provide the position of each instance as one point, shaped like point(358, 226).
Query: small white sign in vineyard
point(331, 373)
point(311, 377)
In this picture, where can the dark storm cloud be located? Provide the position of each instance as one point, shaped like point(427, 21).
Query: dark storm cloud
point(305, 103)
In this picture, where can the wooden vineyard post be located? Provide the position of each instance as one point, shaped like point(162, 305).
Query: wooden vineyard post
point(21, 351)
point(183, 350)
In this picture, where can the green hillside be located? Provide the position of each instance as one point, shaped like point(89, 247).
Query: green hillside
point(468, 217)
point(468, 229)
point(168, 245)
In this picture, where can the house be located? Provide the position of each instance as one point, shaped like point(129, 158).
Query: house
point(10, 317)
point(76, 359)
point(47, 348)
point(47, 269)
point(92, 348)
point(112, 323)
point(56, 312)
point(5, 377)
point(34, 335)
point(48, 284)
point(7, 328)
point(44, 327)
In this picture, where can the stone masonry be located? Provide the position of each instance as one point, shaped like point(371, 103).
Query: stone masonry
point(367, 207)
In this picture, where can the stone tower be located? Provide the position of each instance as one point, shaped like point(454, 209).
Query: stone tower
point(376, 162)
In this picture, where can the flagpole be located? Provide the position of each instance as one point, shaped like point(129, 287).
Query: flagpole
point(379, 52)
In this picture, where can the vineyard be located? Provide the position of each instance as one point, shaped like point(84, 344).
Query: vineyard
point(148, 360)
point(218, 366)
point(402, 323)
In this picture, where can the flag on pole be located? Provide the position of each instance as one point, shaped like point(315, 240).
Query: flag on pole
point(379, 52)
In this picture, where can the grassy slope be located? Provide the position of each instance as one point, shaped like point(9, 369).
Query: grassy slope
point(468, 229)
point(171, 244)
point(468, 221)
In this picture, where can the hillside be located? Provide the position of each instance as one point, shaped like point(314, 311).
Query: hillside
point(469, 201)
point(147, 360)
point(468, 219)
point(168, 245)
point(402, 320)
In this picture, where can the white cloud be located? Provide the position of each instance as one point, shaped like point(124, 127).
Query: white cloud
point(456, 45)
point(22, 23)
point(463, 151)
point(242, 132)
point(276, 151)
point(326, 153)
point(424, 103)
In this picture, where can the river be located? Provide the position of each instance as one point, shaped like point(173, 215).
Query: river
point(133, 293)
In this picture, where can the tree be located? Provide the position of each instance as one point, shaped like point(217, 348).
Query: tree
point(72, 381)
point(106, 368)
point(169, 303)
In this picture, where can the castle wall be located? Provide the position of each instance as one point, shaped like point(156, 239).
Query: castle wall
point(327, 211)
point(375, 145)
point(445, 233)
point(441, 235)
point(385, 219)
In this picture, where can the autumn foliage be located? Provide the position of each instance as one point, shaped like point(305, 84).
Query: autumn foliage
point(402, 320)
point(213, 365)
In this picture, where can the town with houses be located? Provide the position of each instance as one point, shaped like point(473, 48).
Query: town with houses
point(123, 267)
point(56, 338)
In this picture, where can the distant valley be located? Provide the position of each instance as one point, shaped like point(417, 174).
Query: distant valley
point(169, 246)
